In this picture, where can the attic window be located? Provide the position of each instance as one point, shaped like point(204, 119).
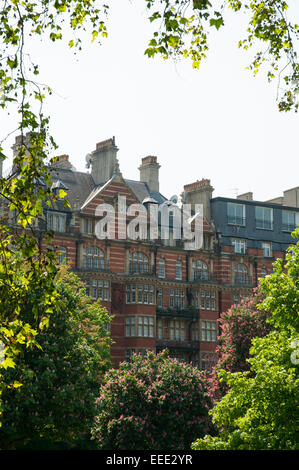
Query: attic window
point(56, 221)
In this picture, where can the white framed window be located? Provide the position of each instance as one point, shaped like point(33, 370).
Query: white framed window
point(99, 289)
point(145, 327)
point(267, 251)
point(130, 326)
point(171, 298)
point(140, 294)
point(177, 298)
point(160, 328)
point(195, 331)
point(239, 245)
point(161, 268)
point(288, 221)
point(87, 226)
point(264, 218)
point(56, 221)
point(263, 272)
point(177, 330)
point(208, 330)
point(207, 299)
point(138, 263)
point(235, 214)
point(104, 290)
point(62, 255)
point(160, 298)
point(241, 273)
point(178, 270)
point(93, 258)
point(200, 270)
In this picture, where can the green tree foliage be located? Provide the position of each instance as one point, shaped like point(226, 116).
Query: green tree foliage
point(238, 326)
point(184, 27)
point(152, 403)
point(261, 411)
point(58, 381)
point(24, 269)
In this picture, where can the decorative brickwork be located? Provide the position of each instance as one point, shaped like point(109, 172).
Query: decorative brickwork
point(159, 294)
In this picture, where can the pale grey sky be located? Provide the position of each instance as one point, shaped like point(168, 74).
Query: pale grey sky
point(218, 122)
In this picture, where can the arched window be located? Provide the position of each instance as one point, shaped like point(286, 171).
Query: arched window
point(178, 270)
point(200, 270)
point(138, 263)
point(93, 258)
point(263, 272)
point(62, 255)
point(161, 268)
point(241, 273)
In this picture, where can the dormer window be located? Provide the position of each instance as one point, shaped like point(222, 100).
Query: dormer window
point(87, 226)
point(235, 214)
point(56, 221)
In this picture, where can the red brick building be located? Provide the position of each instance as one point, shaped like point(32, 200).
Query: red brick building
point(162, 295)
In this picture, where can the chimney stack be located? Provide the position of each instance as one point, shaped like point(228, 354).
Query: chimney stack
point(246, 196)
point(103, 161)
point(199, 192)
point(63, 163)
point(149, 172)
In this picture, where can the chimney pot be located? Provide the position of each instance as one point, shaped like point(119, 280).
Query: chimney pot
point(149, 172)
point(104, 161)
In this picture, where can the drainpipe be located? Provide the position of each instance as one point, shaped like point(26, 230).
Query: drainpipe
point(255, 270)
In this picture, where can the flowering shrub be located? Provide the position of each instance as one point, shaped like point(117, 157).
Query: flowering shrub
point(152, 403)
point(238, 325)
point(60, 380)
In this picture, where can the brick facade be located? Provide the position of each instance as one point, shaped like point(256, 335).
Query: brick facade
point(159, 294)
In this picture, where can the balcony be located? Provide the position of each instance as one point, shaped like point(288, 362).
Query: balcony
point(192, 313)
point(178, 345)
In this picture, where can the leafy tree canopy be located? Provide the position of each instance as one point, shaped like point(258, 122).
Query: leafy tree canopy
point(238, 326)
point(182, 28)
point(56, 383)
point(260, 411)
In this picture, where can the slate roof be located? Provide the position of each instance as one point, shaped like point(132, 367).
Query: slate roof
point(82, 188)
point(142, 191)
point(79, 185)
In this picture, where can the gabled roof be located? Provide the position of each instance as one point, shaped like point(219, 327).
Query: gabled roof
point(142, 191)
point(82, 189)
point(79, 185)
